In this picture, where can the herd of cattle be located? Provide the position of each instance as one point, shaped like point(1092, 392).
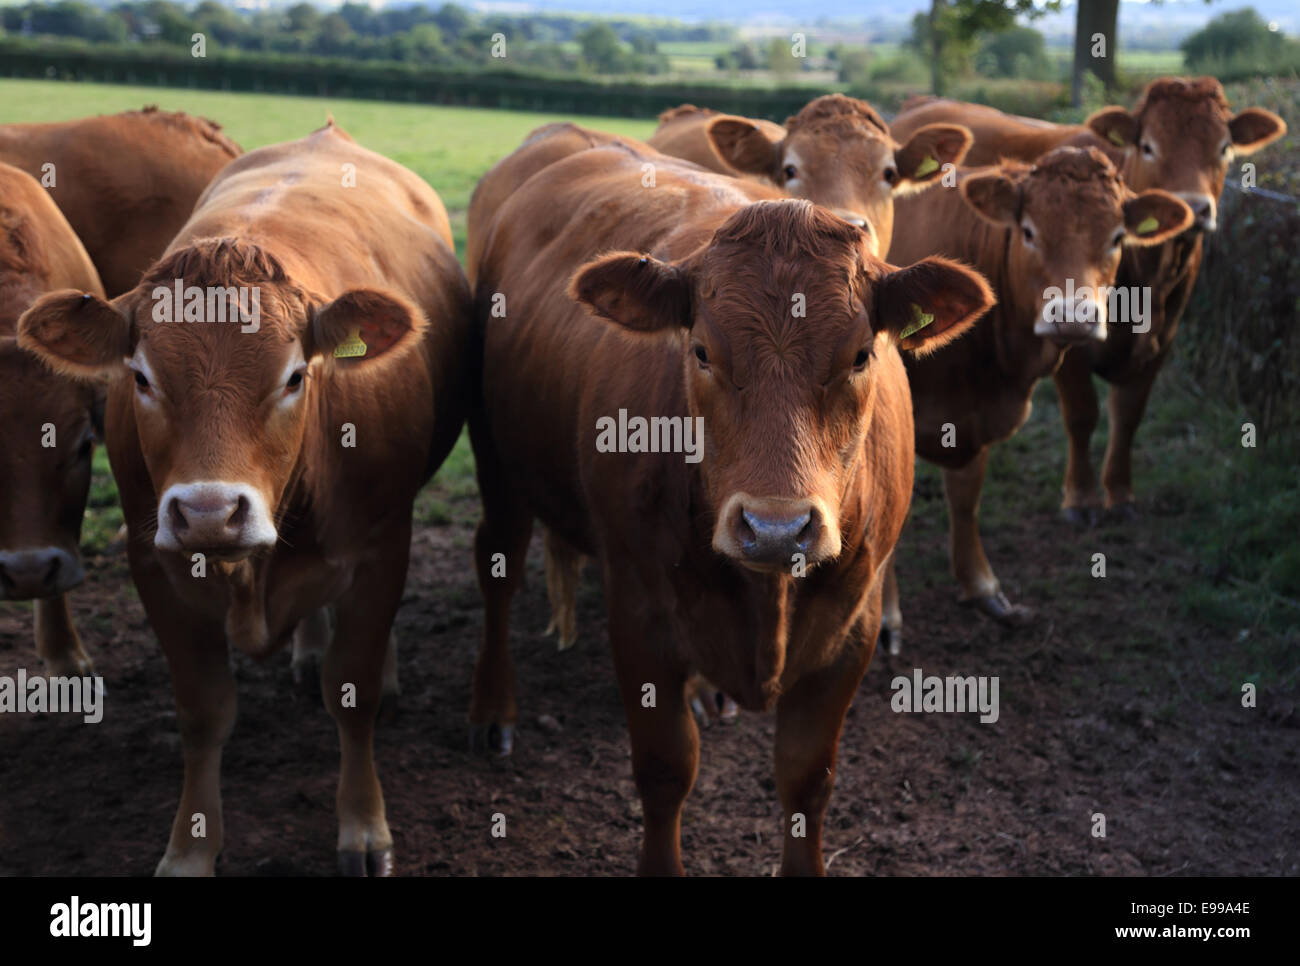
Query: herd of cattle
point(830, 297)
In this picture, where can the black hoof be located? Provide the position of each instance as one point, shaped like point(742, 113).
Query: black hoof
point(1081, 516)
point(728, 710)
point(306, 677)
point(1122, 513)
point(1001, 610)
point(360, 865)
point(492, 739)
point(389, 705)
point(889, 641)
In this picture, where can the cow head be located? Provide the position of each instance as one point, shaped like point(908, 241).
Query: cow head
point(49, 425)
point(783, 322)
point(221, 408)
point(1068, 218)
point(1181, 138)
point(838, 153)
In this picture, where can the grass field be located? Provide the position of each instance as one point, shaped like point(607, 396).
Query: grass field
point(1217, 504)
point(450, 147)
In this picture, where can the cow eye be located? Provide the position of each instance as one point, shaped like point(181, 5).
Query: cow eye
point(141, 382)
point(1147, 149)
point(1029, 233)
point(789, 172)
point(891, 176)
point(702, 356)
point(294, 382)
point(861, 359)
point(1119, 237)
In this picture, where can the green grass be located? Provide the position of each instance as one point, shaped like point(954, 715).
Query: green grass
point(450, 147)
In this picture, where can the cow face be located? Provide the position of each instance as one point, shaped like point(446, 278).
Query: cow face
point(784, 320)
point(1182, 138)
point(838, 153)
point(221, 408)
point(44, 474)
point(1069, 217)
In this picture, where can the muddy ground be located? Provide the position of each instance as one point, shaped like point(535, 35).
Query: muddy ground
point(1111, 702)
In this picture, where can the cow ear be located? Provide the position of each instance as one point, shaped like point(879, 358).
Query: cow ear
point(921, 161)
point(994, 196)
point(363, 325)
point(929, 304)
point(1154, 217)
point(76, 333)
point(1114, 125)
point(744, 145)
point(636, 291)
point(1253, 128)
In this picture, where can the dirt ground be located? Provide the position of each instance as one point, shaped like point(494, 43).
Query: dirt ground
point(1098, 714)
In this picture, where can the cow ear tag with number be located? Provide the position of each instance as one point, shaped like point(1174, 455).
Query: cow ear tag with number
point(352, 347)
point(919, 321)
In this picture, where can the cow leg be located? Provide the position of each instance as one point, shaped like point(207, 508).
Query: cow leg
point(891, 621)
point(1126, 404)
point(1081, 504)
point(500, 549)
point(310, 638)
point(808, 721)
point(57, 641)
point(979, 587)
point(352, 675)
point(563, 570)
point(665, 741)
point(204, 685)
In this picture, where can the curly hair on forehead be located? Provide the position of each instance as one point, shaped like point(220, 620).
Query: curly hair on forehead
point(1194, 89)
point(789, 228)
point(836, 108)
point(219, 261)
point(1076, 164)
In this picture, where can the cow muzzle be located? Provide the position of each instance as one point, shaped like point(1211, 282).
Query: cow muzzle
point(40, 572)
point(1205, 212)
point(775, 534)
point(1073, 319)
point(226, 520)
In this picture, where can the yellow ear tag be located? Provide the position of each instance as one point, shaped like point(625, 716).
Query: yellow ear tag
point(1116, 138)
point(351, 347)
point(1149, 224)
point(919, 321)
point(925, 167)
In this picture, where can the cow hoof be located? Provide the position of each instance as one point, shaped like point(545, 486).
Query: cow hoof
point(728, 712)
point(389, 705)
point(890, 640)
point(492, 739)
point(1122, 512)
point(1081, 516)
point(361, 865)
point(1002, 610)
point(306, 676)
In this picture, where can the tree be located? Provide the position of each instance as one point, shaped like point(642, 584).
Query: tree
point(1238, 33)
point(1095, 33)
point(600, 48)
point(1016, 52)
point(952, 25)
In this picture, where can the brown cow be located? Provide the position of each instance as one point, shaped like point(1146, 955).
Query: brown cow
point(767, 328)
point(49, 425)
point(1181, 138)
point(1050, 238)
point(126, 182)
point(836, 152)
point(268, 464)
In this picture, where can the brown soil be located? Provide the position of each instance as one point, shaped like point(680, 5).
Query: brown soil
point(1094, 718)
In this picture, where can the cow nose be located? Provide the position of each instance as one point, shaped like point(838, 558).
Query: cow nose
point(1204, 210)
point(213, 517)
point(770, 536)
point(43, 572)
point(1067, 320)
